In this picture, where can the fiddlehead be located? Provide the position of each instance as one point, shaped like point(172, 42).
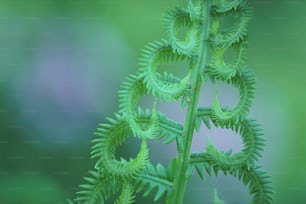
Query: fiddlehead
point(245, 83)
point(153, 55)
point(110, 137)
point(220, 70)
point(253, 143)
point(174, 20)
point(129, 95)
point(238, 32)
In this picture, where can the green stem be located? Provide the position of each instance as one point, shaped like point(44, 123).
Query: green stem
point(181, 177)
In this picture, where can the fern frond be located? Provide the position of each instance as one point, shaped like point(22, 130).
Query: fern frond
point(225, 6)
point(259, 183)
point(253, 143)
point(204, 39)
point(257, 180)
point(174, 20)
point(153, 55)
point(220, 70)
point(186, 99)
point(252, 139)
point(238, 32)
point(203, 114)
point(169, 78)
point(98, 189)
point(171, 169)
point(245, 82)
point(154, 178)
point(110, 137)
point(127, 195)
point(194, 7)
point(130, 92)
point(170, 130)
point(199, 161)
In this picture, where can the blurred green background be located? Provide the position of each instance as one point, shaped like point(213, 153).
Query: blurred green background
point(61, 65)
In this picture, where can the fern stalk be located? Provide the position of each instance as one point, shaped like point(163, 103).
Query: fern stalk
point(180, 179)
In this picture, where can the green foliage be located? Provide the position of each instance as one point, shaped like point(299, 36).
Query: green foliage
point(155, 178)
point(204, 34)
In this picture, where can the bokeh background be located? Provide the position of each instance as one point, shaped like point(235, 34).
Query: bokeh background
point(61, 65)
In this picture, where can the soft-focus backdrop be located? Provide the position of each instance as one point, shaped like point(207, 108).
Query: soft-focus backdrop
point(62, 62)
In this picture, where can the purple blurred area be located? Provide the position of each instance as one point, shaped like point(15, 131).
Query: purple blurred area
point(70, 81)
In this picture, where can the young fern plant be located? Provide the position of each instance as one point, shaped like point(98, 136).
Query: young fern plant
point(204, 35)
